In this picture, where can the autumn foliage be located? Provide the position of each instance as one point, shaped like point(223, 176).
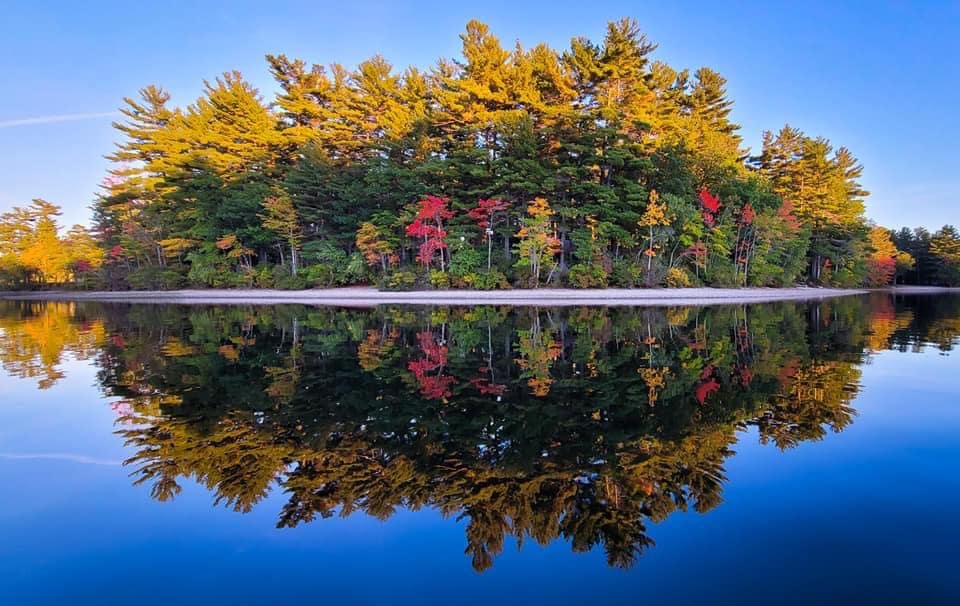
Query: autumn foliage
point(428, 227)
point(428, 369)
point(710, 204)
point(589, 166)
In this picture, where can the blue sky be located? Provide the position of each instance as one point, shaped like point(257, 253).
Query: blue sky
point(882, 78)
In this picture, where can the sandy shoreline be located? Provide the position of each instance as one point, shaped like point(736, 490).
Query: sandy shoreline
point(368, 297)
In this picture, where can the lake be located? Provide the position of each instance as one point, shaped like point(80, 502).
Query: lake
point(787, 453)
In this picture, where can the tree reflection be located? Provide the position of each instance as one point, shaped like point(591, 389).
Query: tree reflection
point(35, 337)
point(581, 425)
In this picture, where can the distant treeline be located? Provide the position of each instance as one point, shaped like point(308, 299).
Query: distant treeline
point(592, 166)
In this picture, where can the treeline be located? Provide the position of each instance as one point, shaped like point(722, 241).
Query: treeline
point(936, 256)
point(592, 166)
point(35, 252)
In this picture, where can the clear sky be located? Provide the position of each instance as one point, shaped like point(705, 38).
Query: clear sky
point(882, 78)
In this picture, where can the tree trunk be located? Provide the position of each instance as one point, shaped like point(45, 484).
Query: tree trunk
point(563, 250)
point(649, 255)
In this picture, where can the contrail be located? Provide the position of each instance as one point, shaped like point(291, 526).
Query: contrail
point(55, 119)
point(59, 456)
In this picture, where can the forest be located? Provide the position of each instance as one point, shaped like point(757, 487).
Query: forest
point(509, 167)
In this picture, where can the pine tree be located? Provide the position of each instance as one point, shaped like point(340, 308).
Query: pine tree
point(945, 250)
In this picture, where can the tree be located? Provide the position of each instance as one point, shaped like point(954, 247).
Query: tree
point(32, 249)
point(374, 248)
point(654, 217)
point(428, 225)
point(132, 212)
point(822, 185)
point(487, 213)
point(945, 250)
point(537, 246)
point(42, 252)
point(882, 265)
point(281, 218)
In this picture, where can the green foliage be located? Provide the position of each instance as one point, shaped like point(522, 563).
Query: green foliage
point(493, 279)
point(152, 277)
point(626, 274)
point(466, 259)
point(439, 279)
point(584, 275)
point(401, 280)
point(210, 268)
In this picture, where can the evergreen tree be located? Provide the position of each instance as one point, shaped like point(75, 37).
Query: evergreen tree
point(945, 250)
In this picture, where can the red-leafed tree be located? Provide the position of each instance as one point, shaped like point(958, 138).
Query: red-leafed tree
point(487, 213)
point(786, 213)
point(711, 207)
point(485, 385)
point(428, 370)
point(428, 226)
point(707, 385)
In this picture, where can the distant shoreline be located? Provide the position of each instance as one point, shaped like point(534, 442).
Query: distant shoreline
point(368, 297)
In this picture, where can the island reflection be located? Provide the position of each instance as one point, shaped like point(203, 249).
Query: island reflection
point(574, 424)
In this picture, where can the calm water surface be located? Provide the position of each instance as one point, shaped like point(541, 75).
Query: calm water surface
point(765, 454)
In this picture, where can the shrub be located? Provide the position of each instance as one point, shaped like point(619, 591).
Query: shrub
point(625, 274)
point(209, 268)
point(846, 277)
point(722, 274)
point(263, 276)
point(284, 280)
point(337, 270)
point(466, 260)
point(321, 275)
point(400, 280)
point(439, 279)
point(488, 280)
point(156, 278)
point(677, 278)
point(357, 271)
point(583, 275)
point(655, 275)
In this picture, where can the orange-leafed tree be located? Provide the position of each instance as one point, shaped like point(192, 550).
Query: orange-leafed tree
point(538, 245)
point(882, 264)
point(376, 250)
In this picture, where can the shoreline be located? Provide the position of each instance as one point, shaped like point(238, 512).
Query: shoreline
point(370, 297)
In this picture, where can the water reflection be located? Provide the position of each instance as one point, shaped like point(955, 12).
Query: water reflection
point(581, 425)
